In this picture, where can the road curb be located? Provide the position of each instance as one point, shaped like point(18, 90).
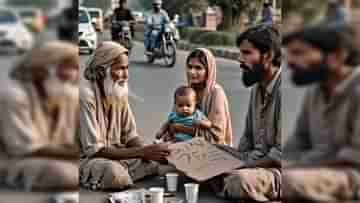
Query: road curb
point(218, 52)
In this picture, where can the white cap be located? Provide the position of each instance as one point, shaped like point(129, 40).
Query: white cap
point(157, 2)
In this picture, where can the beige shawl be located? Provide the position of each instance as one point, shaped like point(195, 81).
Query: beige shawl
point(215, 106)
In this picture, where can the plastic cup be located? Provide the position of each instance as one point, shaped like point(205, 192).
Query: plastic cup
point(157, 194)
point(172, 181)
point(191, 192)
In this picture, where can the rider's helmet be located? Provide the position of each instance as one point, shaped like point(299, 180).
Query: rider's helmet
point(157, 2)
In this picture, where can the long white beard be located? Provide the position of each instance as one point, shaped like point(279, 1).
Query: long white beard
point(115, 91)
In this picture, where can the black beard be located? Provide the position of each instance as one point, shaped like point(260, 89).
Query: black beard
point(252, 75)
point(313, 74)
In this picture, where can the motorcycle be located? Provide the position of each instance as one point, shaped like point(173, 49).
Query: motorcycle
point(124, 36)
point(166, 48)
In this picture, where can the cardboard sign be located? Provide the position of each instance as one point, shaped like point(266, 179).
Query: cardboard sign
point(201, 160)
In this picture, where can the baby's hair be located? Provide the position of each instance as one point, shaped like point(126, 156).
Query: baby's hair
point(184, 91)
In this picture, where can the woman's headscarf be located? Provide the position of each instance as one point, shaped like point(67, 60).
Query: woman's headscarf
point(211, 74)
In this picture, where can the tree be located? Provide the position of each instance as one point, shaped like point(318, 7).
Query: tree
point(147, 4)
point(234, 12)
point(44, 4)
point(183, 6)
point(303, 6)
point(137, 5)
point(177, 6)
point(103, 4)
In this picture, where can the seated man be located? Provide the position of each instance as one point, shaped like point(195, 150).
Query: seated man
point(260, 145)
point(113, 155)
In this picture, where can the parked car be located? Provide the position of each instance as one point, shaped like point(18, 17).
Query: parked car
point(87, 35)
point(33, 18)
point(14, 36)
point(97, 18)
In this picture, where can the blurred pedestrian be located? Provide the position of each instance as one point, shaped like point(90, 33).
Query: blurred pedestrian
point(321, 160)
point(39, 118)
point(267, 15)
point(337, 13)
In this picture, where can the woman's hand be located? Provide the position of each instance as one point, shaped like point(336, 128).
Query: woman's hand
point(156, 152)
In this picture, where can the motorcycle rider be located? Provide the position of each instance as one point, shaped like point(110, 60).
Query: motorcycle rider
point(154, 26)
point(68, 26)
point(122, 13)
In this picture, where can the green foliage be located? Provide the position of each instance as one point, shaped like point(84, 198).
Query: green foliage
point(45, 4)
point(216, 39)
point(177, 6)
point(234, 10)
point(290, 6)
point(103, 4)
point(146, 4)
point(190, 32)
point(208, 38)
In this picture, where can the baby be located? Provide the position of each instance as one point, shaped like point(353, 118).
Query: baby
point(185, 114)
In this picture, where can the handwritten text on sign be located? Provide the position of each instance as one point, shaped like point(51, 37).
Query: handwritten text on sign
point(201, 160)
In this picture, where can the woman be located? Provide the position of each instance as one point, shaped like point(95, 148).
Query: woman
point(211, 99)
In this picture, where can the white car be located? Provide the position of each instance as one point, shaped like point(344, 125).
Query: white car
point(87, 34)
point(14, 36)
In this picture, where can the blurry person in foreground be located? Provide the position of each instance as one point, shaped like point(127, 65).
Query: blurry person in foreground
point(321, 160)
point(39, 118)
point(113, 154)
